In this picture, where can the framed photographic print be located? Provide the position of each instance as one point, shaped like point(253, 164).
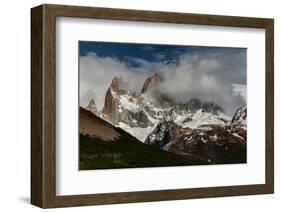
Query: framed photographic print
point(136, 106)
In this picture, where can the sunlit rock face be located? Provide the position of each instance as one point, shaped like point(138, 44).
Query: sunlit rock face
point(153, 81)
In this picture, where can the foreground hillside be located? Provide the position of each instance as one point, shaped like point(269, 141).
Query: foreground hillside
point(118, 149)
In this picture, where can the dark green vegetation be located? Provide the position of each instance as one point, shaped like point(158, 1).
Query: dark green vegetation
point(127, 152)
point(235, 153)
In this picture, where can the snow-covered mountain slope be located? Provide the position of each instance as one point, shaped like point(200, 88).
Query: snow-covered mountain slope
point(240, 116)
point(200, 117)
point(214, 143)
point(138, 132)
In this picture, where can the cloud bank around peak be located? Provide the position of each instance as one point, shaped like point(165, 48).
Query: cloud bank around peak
point(205, 74)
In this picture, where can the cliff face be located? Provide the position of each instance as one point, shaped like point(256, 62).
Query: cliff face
point(153, 82)
point(111, 106)
point(118, 85)
point(111, 103)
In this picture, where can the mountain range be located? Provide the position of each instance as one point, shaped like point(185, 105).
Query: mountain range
point(195, 128)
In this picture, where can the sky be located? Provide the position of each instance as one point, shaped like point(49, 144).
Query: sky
point(200, 72)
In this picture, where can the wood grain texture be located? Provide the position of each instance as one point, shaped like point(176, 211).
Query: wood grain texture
point(269, 118)
point(43, 105)
point(36, 106)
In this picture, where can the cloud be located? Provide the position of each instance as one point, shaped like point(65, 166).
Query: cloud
point(206, 77)
point(96, 74)
point(201, 79)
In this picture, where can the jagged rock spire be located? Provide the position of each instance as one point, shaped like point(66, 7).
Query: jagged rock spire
point(92, 106)
point(118, 85)
point(153, 81)
point(115, 83)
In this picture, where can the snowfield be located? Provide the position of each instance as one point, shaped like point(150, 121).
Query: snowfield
point(201, 118)
point(139, 133)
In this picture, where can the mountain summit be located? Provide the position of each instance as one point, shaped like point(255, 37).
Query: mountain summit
point(153, 81)
point(92, 106)
point(111, 103)
point(118, 85)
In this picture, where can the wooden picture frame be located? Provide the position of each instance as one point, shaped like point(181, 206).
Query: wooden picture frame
point(43, 105)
